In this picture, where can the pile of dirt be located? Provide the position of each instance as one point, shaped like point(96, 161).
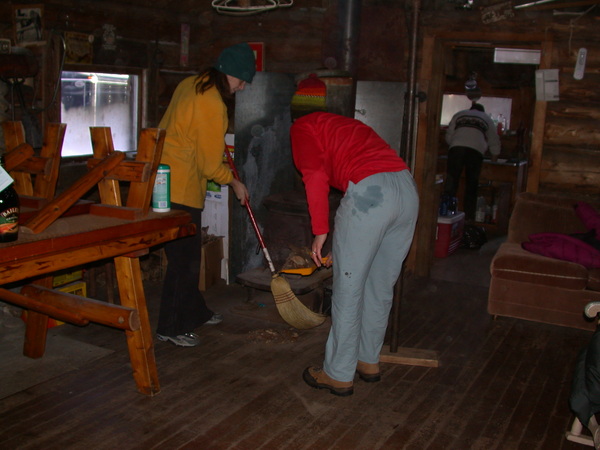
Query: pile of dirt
point(273, 336)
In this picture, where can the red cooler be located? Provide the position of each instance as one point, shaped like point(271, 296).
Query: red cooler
point(449, 234)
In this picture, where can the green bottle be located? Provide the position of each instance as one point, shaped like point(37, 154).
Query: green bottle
point(9, 207)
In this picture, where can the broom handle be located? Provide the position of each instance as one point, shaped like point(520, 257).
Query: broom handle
point(261, 241)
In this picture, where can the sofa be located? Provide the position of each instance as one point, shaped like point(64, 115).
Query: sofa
point(530, 286)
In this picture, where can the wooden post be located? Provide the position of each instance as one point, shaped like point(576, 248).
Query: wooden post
point(37, 327)
point(141, 347)
point(102, 143)
point(150, 151)
point(45, 183)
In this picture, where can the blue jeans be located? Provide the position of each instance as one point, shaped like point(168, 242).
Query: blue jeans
point(374, 227)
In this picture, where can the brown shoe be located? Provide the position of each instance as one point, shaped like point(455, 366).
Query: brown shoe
point(317, 378)
point(368, 372)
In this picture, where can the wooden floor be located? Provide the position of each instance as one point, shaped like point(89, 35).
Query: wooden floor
point(501, 384)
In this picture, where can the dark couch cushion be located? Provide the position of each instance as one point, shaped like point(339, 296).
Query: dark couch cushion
point(512, 262)
point(564, 247)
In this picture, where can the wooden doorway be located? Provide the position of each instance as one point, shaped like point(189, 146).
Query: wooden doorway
point(436, 51)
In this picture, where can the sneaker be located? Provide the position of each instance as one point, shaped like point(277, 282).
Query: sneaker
point(215, 319)
point(182, 340)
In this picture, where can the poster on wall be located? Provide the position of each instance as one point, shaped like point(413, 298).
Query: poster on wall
point(79, 48)
point(259, 53)
point(28, 23)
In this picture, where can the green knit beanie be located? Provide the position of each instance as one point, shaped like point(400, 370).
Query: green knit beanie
point(237, 61)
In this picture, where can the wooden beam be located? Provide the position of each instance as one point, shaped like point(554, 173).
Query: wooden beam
point(118, 212)
point(410, 356)
point(35, 165)
point(132, 171)
point(150, 148)
point(539, 125)
point(13, 158)
point(103, 146)
point(81, 309)
point(46, 180)
point(80, 253)
point(555, 5)
point(41, 307)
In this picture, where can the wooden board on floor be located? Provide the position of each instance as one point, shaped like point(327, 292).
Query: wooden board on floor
point(410, 356)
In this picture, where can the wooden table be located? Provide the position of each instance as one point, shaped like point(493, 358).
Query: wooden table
point(81, 239)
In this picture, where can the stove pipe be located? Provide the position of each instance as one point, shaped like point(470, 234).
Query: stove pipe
point(349, 23)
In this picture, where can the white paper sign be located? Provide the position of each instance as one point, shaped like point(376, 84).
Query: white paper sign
point(5, 179)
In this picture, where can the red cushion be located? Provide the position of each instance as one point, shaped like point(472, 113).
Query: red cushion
point(564, 247)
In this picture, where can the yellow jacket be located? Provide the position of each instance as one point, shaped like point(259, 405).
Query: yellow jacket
point(196, 125)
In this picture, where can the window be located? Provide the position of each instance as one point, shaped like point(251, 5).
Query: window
point(494, 106)
point(100, 99)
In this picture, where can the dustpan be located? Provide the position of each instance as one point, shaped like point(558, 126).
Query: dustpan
point(299, 262)
point(304, 271)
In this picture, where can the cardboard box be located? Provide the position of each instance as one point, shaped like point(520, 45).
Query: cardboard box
point(77, 288)
point(448, 234)
point(210, 266)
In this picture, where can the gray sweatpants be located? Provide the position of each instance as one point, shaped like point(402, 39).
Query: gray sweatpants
point(374, 227)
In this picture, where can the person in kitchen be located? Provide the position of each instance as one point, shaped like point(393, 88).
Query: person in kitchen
point(374, 227)
point(470, 134)
point(196, 121)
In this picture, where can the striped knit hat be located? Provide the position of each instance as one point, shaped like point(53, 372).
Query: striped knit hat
point(310, 96)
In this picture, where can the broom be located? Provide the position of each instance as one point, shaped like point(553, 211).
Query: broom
point(292, 310)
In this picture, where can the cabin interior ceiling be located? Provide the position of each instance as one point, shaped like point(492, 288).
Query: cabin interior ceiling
point(192, 7)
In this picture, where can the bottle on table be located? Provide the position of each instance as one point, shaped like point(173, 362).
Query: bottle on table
point(9, 207)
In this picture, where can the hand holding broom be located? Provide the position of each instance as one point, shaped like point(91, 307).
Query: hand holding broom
point(292, 310)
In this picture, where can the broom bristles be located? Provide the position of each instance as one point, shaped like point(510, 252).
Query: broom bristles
point(292, 310)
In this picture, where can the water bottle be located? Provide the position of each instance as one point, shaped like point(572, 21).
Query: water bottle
point(9, 207)
point(480, 211)
point(161, 194)
point(453, 206)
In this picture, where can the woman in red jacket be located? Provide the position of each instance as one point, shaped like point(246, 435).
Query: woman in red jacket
point(374, 227)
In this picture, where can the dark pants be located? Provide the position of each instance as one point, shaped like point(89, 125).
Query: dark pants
point(182, 306)
point(471, 160)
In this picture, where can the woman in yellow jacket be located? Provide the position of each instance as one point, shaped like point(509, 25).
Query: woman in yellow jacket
point(196, 121)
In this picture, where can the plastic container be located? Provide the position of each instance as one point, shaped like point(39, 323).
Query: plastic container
point(161, 194)
point(480, 209)
point(449, 233)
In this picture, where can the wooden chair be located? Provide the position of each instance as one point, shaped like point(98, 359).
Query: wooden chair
point(22, 163)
